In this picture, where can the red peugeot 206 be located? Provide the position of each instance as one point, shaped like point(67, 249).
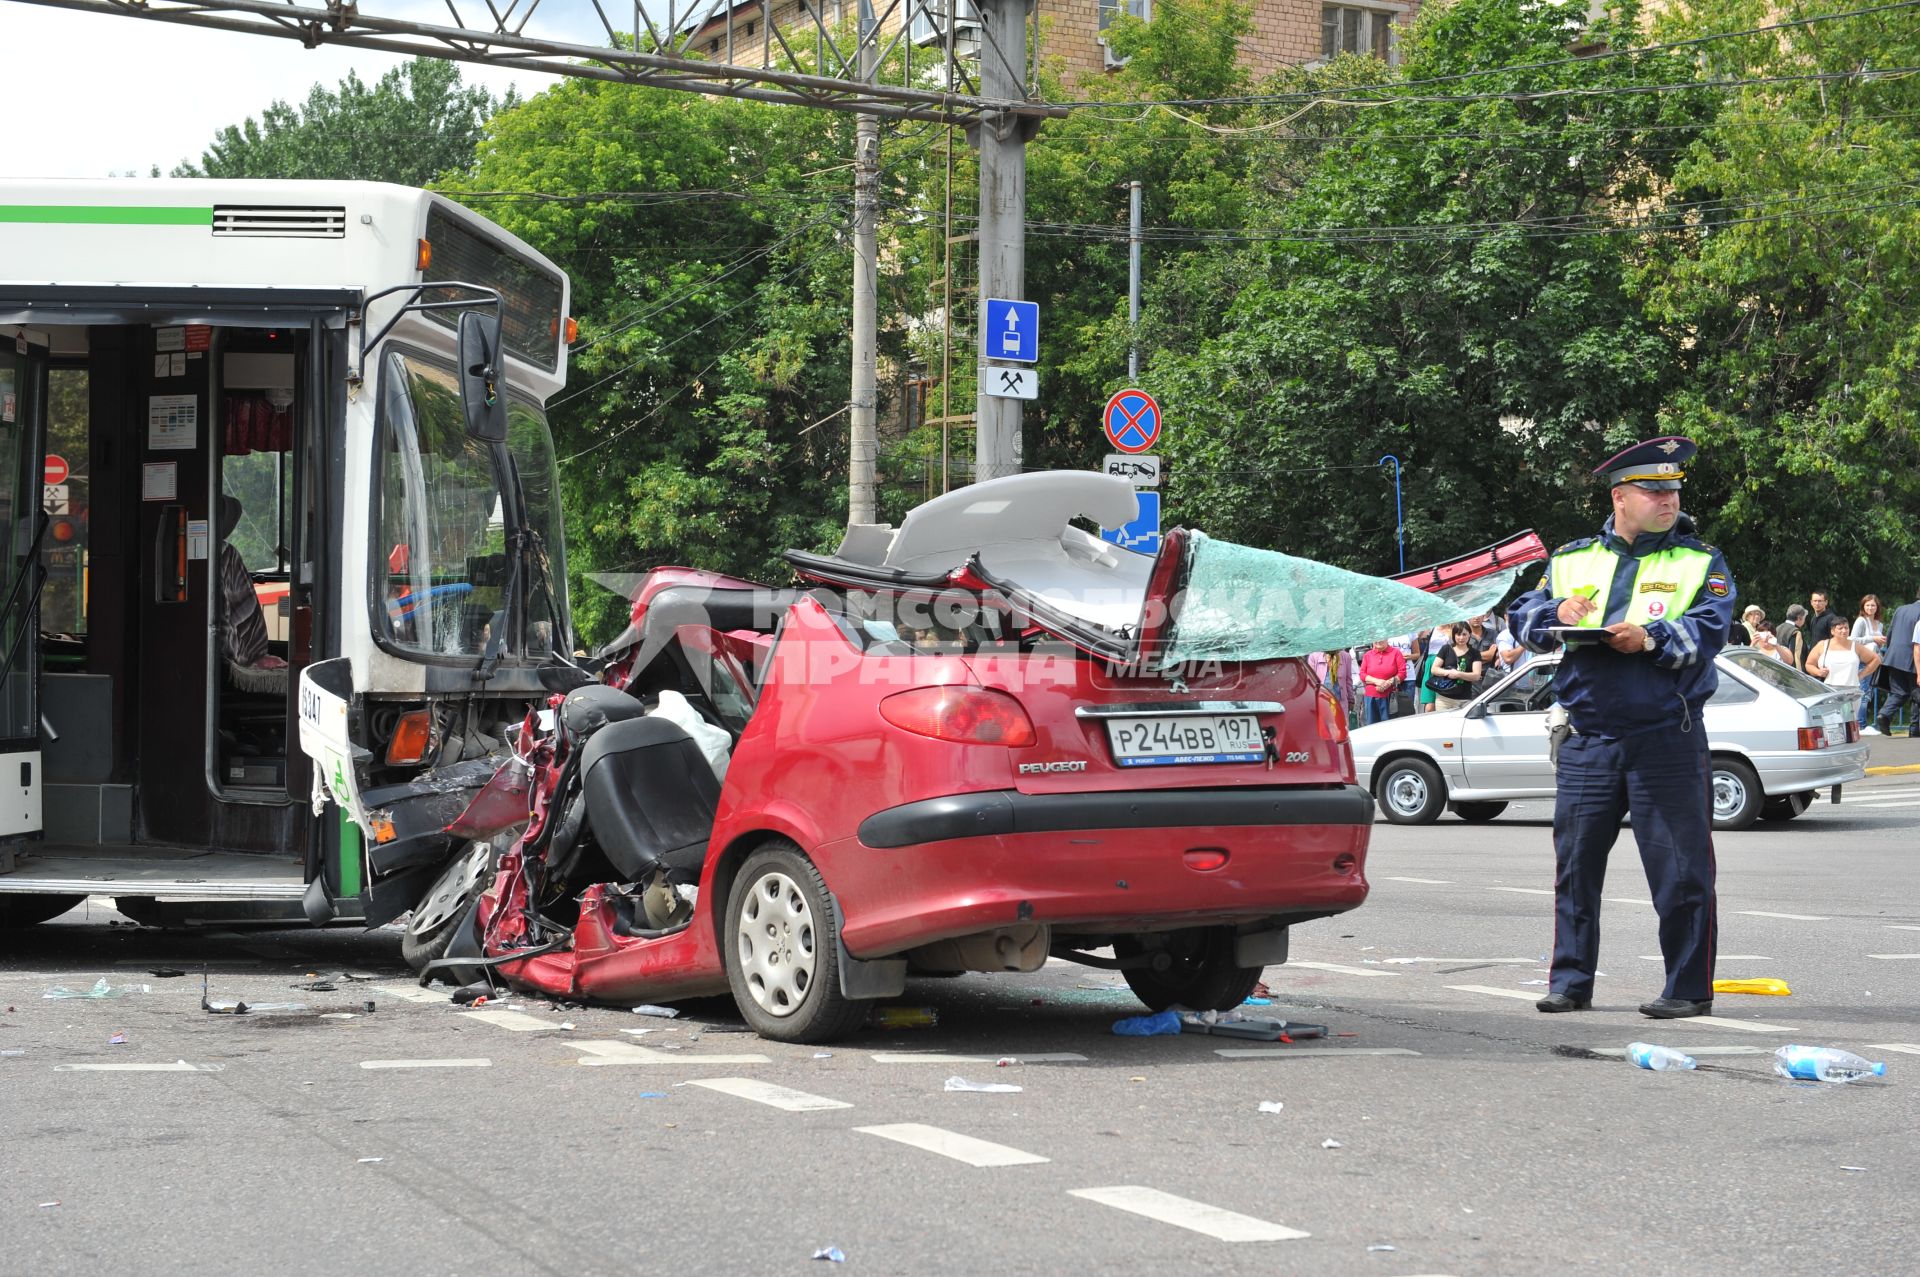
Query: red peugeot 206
point(970, 743)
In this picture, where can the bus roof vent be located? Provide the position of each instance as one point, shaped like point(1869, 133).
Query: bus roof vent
point(281, 221)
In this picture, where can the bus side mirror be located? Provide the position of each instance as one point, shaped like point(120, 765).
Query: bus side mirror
point(483, 379)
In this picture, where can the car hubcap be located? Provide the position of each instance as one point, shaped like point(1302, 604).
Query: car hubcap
point(1406, 793)
point(776, 940)
point(1729, 794)
point(453, 892)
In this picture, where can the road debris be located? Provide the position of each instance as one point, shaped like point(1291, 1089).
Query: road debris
point(1164, 1023)
point(101, 989)
point(118, 1039)
point(905, 1017)
point(664, 1013)
point(1766, 988)
point(832, 1254)
point(1272, 1106)
point(1331, 1144)
point(958, 1083)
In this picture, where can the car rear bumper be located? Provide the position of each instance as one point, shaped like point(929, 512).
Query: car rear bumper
point(1095, 862)
point(1793, 772)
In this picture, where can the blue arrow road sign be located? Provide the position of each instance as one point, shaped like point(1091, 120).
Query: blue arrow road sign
point(1143, 534)
point(1013, 330)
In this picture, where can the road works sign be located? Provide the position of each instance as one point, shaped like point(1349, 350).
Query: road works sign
point(1009, 383)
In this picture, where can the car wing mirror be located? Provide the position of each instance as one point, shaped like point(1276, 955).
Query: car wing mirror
point(483, 377)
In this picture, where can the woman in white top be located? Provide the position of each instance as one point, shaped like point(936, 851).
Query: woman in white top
point(1870, 630)
point(1838, 661)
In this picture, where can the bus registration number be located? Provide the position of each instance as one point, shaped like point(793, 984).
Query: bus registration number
point(1200, 738)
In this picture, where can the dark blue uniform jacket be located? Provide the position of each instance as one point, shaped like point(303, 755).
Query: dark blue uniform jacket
point(1609, 693)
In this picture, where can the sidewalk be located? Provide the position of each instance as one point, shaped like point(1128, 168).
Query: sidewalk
point(1893, 755)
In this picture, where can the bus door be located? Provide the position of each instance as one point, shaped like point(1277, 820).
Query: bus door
point(23, 390)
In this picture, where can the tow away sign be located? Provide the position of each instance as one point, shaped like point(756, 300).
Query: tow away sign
point(1141, 471)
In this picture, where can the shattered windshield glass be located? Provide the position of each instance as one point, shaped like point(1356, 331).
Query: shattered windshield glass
point(1244, 604)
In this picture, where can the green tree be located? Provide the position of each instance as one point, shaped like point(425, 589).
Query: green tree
point(417, 123)
point(706, 240)
point(1795, 297)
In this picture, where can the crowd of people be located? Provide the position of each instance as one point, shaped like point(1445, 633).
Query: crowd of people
point(1873, 651)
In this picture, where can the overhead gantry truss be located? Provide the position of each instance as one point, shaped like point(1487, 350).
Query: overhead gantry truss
point(756, 49)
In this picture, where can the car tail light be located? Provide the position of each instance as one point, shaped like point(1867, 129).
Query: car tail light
point(1813, 738)
point(967, 715)
point(1205, 859)
point(1333, 723)
point(411, 735)
point(1853, 732)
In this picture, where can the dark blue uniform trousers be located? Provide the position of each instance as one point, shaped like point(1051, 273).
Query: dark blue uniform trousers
point(1665, 780)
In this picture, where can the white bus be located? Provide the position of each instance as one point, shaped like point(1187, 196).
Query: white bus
point(276, 467)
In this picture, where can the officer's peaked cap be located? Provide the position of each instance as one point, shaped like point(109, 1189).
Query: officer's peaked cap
point(1658, 464)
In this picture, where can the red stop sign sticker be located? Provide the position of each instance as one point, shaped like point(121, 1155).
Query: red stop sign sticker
point(57, 471)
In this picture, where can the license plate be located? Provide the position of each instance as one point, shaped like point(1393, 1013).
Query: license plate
point(1836, 731)
point(1192, 738)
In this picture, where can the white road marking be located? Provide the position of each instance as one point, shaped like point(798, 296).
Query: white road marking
point(780, 1097)
point(1621, 1051)
point(1485, 962)
point(1525, 891)
point(961, 1148)
point(1722, 1022)
point(426, 1064)
point(1221, 1225)
point(1905, 1048)
point(1877, 800)
point(1901, 926)
point(935, 1057)
point(1431, 882)
point(1490, 991)
point(627, 1053)
point(1282, 1052)
point(1334, 966)
point(1879, 806)
point(1894, 957)
point(513, 1021)
point(1628, 900)
point(1718, 957)
point(178, 1066)
point(411, 993)
point(1791, 917)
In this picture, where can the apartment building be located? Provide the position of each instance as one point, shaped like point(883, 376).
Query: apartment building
point(1284, 32)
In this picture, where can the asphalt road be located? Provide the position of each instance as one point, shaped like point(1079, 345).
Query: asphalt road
point(1473, 1134)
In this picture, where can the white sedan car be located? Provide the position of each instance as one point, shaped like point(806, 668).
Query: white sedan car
point(1776, 736)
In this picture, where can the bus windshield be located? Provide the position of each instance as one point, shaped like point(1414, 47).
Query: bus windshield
point(442, 554)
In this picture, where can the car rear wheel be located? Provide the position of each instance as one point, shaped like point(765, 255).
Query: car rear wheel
point(782, 949)
point(1478, 813)
point(1194, 970)
point(1787, 806)
point(1737, 796)
point(1410, 792)
point(26, 910)
point(430, 928)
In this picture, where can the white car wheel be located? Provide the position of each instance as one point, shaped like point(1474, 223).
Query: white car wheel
point(1410, 792)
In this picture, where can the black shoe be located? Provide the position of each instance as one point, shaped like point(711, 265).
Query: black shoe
point(1556, 1002)
point(1675, 1008)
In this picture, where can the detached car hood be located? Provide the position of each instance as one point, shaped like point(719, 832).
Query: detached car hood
point(1198, 599)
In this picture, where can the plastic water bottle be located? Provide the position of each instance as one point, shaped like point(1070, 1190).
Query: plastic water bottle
point(1824, 1064)
point(1657, 1058)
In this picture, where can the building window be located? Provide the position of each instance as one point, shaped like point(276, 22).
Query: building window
point(1110, 9)
point(1348, 30)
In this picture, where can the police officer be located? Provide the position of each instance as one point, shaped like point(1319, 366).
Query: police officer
point(1659, 604)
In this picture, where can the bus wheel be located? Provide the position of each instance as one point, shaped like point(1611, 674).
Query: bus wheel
point(25, 910)
point(430, 929)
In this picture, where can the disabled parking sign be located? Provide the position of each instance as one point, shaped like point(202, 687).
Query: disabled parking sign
point(1131, 420)
point(1143, 533)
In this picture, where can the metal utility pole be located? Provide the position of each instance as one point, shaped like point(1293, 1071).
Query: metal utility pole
point(1002, 138)
point(863, 444)
point(1133, 280)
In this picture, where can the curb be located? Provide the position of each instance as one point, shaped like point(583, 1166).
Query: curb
point(1902, 770)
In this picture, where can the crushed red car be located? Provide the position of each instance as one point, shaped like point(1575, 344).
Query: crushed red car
point(970, 743)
